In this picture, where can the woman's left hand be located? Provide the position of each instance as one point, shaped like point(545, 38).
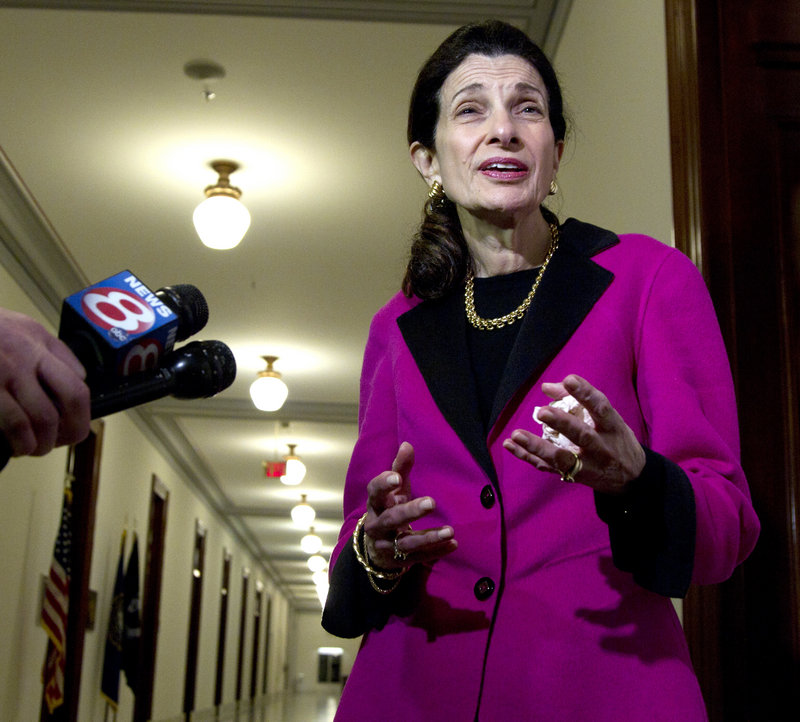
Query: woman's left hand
point(610, 455)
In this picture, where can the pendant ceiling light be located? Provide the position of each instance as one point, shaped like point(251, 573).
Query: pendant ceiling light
point(303, 514)
point(268, 391)
point(316, 563)
point(321, 585)
point(295, 469)
point(311, 543)
point(221, 220)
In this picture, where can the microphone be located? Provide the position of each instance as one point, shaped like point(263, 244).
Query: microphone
point(188, 304)
point(118, 326)
point(199, 369)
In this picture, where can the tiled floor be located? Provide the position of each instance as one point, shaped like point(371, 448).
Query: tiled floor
point(299, 707)
point(294, 707)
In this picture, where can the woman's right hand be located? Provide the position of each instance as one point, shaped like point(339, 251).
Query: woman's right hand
point(390, 541)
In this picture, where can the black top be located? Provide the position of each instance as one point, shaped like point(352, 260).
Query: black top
point(489, 350)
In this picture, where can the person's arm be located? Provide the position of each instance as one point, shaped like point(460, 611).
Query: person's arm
point(688, 518)
point(646, 500)
point(678, 508)
point(652, 526)
point(352, 606)
point(377, 488)
point(44, 401)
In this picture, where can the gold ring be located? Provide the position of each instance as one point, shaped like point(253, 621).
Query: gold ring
point(573, 470)
point(399, 555)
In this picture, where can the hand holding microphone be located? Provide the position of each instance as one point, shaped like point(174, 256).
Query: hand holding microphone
point(116, 335)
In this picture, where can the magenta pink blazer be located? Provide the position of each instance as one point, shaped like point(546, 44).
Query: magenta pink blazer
point(537, 616)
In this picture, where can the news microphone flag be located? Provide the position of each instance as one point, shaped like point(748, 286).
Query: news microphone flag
point(117, 327)
point(112, 659)
point(55, 609)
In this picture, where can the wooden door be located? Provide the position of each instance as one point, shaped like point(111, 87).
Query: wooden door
point(734, 72)
point(151, 600)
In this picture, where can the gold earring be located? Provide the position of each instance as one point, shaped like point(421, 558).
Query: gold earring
point(436, 196)
point(553, 187)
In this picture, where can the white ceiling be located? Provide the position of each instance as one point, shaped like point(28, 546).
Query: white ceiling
point(105, 150)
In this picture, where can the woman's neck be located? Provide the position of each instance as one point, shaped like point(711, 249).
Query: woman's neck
point(497, 250)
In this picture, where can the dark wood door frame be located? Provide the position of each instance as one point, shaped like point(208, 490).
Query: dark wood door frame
point(242, 629)
point(256, 639)
point(195, 608)
point(267, 622)
point(222, 626)
point(151, 599)
point(734, 87)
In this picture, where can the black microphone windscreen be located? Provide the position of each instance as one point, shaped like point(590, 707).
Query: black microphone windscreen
point(226, 363)
point(199, 369)
point(202, 369)
point(189, 304)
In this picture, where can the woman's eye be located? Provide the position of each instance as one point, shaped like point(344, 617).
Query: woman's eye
point(531, 108)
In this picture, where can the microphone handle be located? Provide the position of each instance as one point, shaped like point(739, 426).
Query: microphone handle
point(201, 369)
point(146, 388)
point(118, 399)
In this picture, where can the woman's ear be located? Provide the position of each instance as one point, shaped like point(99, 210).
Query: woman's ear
point(559, 153)
point(425, 162)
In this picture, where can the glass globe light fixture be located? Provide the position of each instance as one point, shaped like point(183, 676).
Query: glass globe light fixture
point(303, 514)
point(321, 586)
point(295, 469)
point(221, 220)
point(317, 563)
point(269, 391)
point(311, 543)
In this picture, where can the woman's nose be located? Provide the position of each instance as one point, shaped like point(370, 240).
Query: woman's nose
point(503, 130)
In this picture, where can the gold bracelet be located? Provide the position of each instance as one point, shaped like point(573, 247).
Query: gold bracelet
point(374, 584)
point(363, 557)
point(372, 572)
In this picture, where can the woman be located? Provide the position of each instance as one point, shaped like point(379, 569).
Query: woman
point(494, 573)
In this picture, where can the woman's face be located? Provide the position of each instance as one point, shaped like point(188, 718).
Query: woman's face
point(495, 151)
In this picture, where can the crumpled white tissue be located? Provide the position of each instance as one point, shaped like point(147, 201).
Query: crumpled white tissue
point(572, 406)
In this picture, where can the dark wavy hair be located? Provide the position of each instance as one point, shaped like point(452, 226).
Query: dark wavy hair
point(439, 257)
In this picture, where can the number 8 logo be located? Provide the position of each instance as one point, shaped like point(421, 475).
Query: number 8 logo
point(112, 308)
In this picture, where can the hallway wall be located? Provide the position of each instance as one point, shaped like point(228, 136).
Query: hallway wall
point(612, 65)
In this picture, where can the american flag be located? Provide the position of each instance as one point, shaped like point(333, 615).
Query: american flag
point(55, 609)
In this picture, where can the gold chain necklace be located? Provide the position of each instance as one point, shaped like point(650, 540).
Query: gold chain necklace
point(489, 324)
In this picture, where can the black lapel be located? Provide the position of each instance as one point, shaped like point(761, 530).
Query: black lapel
point(435, 333)
point(570, 287)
